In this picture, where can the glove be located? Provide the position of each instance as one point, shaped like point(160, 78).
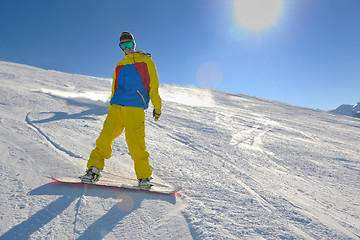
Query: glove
point(156, 114)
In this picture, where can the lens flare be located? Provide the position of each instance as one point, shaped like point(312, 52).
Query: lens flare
point(256, 15)
point(125, 202)
point(209, 75)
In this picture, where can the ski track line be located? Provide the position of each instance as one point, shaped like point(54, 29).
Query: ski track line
point(266, 205)
point(197, 148)
point(81, 199)
point(324, 218)
point(177, 210)
point(57, 148)
point(312, 213)
point(331, 222)
point(262, 201)
point(257, 140)
point(251, 138)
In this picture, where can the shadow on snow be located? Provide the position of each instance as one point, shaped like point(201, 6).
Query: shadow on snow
point(127, 202)
point(95, 108)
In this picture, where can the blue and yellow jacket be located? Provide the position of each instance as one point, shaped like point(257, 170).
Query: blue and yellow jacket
point(135, 82)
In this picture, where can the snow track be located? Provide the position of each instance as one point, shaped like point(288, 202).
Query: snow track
point(51, 143)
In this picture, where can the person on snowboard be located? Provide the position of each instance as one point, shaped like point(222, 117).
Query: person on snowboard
point(135, 82)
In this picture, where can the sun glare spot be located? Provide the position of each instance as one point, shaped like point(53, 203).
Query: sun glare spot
point(256, 15)
point(125, 202)
point(209, 75)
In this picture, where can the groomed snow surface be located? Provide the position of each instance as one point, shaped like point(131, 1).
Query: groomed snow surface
point(250, 168)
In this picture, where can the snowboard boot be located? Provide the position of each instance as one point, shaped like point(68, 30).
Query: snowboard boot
point(145, 182)
point(92, 175)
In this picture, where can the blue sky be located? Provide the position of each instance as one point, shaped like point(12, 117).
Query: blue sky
point(310, 56)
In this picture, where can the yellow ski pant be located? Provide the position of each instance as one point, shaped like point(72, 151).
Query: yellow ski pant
point(132, 119)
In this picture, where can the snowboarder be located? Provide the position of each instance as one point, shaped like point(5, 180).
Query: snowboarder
point(135, 82)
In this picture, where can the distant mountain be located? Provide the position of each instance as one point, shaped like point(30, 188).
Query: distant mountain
point(348, 110)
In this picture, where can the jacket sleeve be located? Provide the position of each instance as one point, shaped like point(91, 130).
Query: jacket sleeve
point(154, 84)
point(113, 86)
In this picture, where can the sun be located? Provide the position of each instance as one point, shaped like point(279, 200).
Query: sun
point(257, 15)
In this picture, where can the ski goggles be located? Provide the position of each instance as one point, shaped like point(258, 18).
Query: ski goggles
point(129, 45)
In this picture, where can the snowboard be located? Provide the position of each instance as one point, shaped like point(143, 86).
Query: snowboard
point(124, 184)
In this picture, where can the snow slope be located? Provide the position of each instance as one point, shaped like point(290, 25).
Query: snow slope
point(250, 168)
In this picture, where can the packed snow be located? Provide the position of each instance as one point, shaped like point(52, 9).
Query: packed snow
point(250, 168)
